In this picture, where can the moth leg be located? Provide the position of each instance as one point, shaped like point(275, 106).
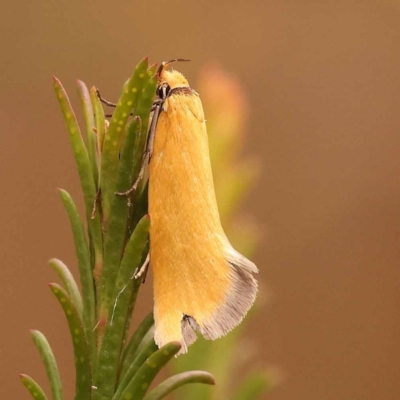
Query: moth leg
point(104, 101)
point(148, 150)
point(107, 103)
point(143, 269)
point(131, 114)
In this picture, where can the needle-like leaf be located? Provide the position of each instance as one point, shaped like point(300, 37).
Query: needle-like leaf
point(115, 237)
point(50, 364)
point(131, 350)
point(111, 145)
point(143, 112)
point(141, 381)
point(106, 374)
point(179, 380)
point(87, 108)
point(83, 382)
point(69, 283)
point(34, 388)
point(85, 272)
point(145, 349)
point(100, 124)
point(85, 173)
point(113, 175)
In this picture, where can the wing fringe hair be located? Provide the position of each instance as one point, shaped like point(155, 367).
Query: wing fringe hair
point(238, 300)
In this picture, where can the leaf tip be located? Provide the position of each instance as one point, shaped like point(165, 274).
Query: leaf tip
point(175, 346)
point(210, 379)
point(62, 192)
point(56, 83)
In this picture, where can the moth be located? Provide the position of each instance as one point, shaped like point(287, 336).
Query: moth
point(201, 283)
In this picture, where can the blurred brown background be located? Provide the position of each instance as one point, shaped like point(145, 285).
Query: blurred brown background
point(324, 87)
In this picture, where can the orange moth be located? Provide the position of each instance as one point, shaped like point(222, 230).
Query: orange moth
point(201, 283)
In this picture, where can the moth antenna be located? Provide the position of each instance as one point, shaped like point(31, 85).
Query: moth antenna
point(165, 63)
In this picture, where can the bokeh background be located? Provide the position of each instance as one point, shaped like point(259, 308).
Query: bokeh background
point(323, 84)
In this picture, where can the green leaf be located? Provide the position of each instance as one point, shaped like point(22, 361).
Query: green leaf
point(146, 348)
point(85, 173)
point(83, 381)
point(85, 272)
point(100, 125)
point(141, 381)
point(119, 178)
point(254, 387)
point(87, 108)
point(179, 380)
point(106, 374)
point(142, 111)
point(131, 350)
point(49, 362)
point(69, 283)
point(34, 388)
point(111, 146)
point(115, 237)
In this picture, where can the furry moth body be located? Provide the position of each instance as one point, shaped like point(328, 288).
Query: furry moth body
point(200, 282)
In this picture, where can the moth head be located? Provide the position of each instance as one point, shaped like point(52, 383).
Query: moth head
point(169, 80)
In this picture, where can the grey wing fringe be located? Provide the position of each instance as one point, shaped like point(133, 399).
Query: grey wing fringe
point(238, 301)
